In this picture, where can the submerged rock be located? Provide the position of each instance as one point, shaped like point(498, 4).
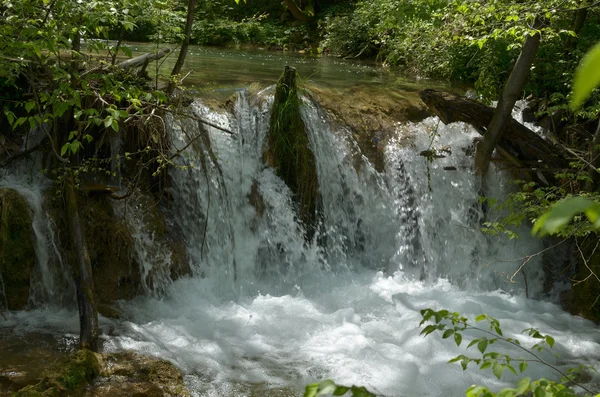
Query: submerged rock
point(17, 252)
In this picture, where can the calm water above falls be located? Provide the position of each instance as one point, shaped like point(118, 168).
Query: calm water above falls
point(347, 308)
point(227, 69)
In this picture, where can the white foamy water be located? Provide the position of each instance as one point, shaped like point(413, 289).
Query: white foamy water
point(359, 328)
point(266, 312)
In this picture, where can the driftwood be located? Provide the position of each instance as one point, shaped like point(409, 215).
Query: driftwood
point(518, 143)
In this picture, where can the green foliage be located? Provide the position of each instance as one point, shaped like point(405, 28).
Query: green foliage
point(587, 77)
point(464, 41)
point(453, 324)
point(329, 388)
point(258, 30)
point(563, 212)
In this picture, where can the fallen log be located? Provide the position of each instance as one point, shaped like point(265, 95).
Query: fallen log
point(143, 59)
point(517, 141)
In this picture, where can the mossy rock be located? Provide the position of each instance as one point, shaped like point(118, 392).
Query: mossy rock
point(67, 378)
point(372, 115)
point(132, 374)
point(17, 252)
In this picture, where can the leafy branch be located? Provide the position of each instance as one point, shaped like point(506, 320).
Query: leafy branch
point(453, 325)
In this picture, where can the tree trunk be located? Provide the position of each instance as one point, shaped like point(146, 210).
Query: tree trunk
point(118, 46)
point(296, 11)
point(184, 46)
point(82, 272)
point(510, 94)
point(580, 16)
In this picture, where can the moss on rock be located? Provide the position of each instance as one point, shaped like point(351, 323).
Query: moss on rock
point(17, 252)
point(117, 374)
point(289, 150)
point(132, 374)
point(67, 378)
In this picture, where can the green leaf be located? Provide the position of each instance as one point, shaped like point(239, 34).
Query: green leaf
point(326, 387)
point(64, 149)
point(448, 333)
point(540, 391)
point(361, 392)
point(562, 212)
point(481, 317)
point(482, 345)
point(587, 77)
point(311, 390)
point(497, 369)
point(340, 390)
point(511, 369)
point(10, 116)
point(476, 391)
point(29, 106)
point(457, 339)
point(550, 340)
point(523, 366)
point(523, 386)
point(127, 51)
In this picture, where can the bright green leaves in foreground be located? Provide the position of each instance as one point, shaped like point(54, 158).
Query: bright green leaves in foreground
point(587, 77)
point(561, 214)
point(328, 388)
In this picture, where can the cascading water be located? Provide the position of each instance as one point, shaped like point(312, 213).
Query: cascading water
point(266, 312)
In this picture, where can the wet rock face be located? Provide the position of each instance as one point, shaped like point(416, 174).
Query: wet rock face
point(17, 252)
point(116, 276)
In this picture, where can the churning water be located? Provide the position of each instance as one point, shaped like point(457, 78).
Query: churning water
point(266, 312)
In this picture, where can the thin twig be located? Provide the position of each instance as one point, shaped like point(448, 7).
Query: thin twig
point(525, 258)
point(585, 262)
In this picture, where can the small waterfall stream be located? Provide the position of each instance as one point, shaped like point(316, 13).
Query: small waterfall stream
point(50, 283)
point(265, 312)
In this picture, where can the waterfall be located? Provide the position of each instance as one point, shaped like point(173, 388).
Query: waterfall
point(420, 219)
point(265, 311)
point(50, 282)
